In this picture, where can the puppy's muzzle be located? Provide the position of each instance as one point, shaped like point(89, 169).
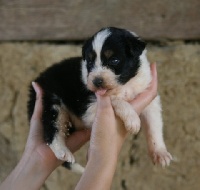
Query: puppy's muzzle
point(98, 82)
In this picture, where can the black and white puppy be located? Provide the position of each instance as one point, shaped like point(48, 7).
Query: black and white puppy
point(113, 62)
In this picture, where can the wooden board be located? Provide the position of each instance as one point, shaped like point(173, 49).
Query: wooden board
point(79, 19)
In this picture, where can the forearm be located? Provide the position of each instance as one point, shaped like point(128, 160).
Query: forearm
point(98, 173)
point(28, 174)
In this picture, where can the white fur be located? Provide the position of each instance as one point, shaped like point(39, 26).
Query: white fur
point(120, 96)
point(98, 44)
point(58, 145)
point(84, 71)
point(138, 83)
point(77, 168)
point(153, 124)
point(60, 149)
point(133, 33)
point(97, 47)
point(127, 114)
point(89, 115)
point(151, 115)
point(123, 93)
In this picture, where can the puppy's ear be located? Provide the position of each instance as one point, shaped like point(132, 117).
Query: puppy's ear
point(86, 47)
point(135, 46)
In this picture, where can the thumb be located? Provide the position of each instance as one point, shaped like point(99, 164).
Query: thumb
point(36, 128)
point(105, 112)
point(103, 102)
point(37, 114)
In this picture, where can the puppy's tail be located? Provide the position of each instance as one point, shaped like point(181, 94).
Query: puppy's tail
point(74, 167)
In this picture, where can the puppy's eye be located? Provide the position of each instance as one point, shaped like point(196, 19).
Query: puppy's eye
point(89, 64)
point(114, 61)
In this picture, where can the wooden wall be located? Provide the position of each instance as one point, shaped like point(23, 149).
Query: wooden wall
point(79, 19)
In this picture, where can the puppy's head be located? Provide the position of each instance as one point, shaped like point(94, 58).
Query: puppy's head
point(111, 58)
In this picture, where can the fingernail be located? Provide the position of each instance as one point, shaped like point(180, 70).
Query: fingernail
point(98, 97)
point(35, 88)
point(33, 85)
point(103, 102)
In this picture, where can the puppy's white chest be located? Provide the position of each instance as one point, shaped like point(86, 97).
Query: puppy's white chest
point(89, 115)
point(127, 94)
point(129, 91)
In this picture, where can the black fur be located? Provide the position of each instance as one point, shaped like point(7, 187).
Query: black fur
point(61, 82)
point(127, 49)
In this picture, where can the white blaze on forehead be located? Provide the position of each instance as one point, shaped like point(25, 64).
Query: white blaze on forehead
point(84, 71)
point(98, 44)
point(133, 33)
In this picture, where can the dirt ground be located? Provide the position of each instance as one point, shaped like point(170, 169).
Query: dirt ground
point(179, 86)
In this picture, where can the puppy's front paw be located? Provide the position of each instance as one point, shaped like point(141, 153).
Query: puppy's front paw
point(65, 155)
point(132, 123)
point(62, 152)
point(127, 114)
point(161, 156)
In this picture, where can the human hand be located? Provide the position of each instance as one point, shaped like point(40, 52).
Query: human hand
point(143, 99)
point(38, 161)
point(108, 133)
point(107, 137)
point(37, 148)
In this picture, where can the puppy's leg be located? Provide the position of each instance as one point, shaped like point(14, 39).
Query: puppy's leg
point(60, 150)
point(127, 114)
point(58, 145)
point(153, 129)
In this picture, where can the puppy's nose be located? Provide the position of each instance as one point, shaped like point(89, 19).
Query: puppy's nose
point(98, 82)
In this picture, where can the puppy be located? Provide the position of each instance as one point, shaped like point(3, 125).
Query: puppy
point(113, 63)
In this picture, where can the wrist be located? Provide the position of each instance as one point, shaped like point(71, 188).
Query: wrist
point(98, 173)
point(36, 164)
point(103, 161)
point(103, 156)
point(106, 150)
point(28, 174)
point(31, 172)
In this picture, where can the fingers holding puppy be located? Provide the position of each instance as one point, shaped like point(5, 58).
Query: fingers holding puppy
point(142, 100)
